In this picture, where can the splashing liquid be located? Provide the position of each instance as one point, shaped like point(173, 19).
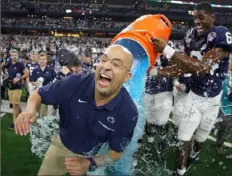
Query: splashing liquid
point(135, 87)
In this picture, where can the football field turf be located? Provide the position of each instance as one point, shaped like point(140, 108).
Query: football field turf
point(17, 159)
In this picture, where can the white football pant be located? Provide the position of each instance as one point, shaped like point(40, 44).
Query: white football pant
point(179, 106)
point(200, 115)
point(158, 107)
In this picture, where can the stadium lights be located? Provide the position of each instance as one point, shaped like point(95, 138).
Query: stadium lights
point(68, 11)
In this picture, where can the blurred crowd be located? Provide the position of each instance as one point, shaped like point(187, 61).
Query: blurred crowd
point(71, 23)
point(35, 44)
point(65, 23)
point(27, 45)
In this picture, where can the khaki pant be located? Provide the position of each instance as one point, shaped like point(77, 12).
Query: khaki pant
point(53, 163)
point(14, 96)
point(43, 111)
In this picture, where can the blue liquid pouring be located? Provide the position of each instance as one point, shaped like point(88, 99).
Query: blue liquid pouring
point(135, 87)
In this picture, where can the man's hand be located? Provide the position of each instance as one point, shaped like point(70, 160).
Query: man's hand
point(77, 165)
point(15, 80)
point(159, 43)
point(23, 121)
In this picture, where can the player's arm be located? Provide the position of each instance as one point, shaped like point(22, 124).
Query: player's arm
point(25, 73)
point(33, 102)
point(191, 65)
point(28, 76)
point(188, 64)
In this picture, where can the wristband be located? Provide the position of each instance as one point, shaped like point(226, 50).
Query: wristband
point(93, 165)
point(168, 51)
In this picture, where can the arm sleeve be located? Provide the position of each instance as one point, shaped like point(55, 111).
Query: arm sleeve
point(123, 137)
point(60, 91)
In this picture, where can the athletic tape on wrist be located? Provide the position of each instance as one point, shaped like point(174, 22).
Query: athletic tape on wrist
point(169, 51)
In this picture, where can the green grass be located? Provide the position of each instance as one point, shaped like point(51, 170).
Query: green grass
point(208, 164)
point(17, 159)
point(16, 156)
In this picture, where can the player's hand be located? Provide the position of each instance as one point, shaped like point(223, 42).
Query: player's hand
point(159, 43)
point(77, 165)
point(15, 80)
point(180, 87)
point(212, 57)
point(23, 121)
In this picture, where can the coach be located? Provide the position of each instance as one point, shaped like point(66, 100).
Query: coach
point(94, 109)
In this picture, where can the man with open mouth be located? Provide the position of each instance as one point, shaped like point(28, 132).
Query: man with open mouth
point(94, 109)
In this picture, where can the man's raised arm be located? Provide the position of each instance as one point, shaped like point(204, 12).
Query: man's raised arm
point(186, 63)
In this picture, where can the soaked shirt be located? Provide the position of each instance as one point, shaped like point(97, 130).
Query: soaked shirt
point(196, 46)
point(84, 126)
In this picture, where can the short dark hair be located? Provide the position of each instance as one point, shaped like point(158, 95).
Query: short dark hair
point(205, 6)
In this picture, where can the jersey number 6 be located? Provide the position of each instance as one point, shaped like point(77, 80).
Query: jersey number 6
point(228, 37)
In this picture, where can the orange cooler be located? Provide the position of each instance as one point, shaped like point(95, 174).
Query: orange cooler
point(142, 29)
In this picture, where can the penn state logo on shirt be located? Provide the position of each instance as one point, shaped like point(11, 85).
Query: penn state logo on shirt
point(211, 36)
point(111, 120)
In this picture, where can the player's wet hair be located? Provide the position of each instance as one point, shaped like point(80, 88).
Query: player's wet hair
point(205, 6)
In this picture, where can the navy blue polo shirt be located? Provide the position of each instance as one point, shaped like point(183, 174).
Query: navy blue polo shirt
point(48, 74)
point(84, 127)
point(15, 71)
